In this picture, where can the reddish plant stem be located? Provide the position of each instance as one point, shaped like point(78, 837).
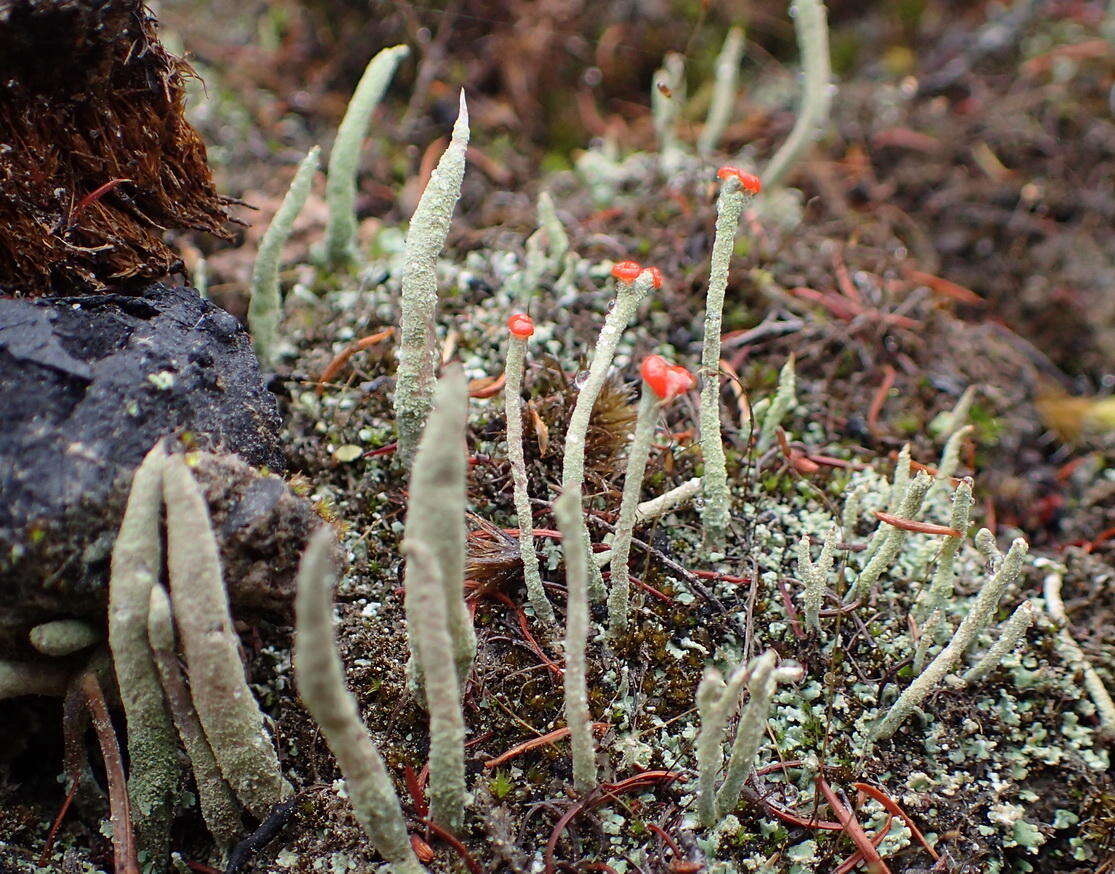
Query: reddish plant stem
point(853, 829)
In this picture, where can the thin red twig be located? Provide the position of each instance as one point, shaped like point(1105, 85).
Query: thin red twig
point(892, 806)
point(880, 398)
point(123, 838)
point(853, 829)
point(455, 843)
point(916, 525)
point(57, 824)
point(541, 741)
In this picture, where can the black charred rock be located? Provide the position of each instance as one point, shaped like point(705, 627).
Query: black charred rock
point(87, 385)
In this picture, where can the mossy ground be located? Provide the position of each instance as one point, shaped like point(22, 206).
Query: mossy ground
point(1004, 776)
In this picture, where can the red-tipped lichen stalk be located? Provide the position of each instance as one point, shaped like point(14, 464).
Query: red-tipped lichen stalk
point(662, 382)
point(633, 284)
point(736, 188)
point(520, 327)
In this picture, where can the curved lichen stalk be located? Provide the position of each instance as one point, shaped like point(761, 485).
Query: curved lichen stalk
point(340, 184)
point(321, 685)
point(813, 42)
point(266, 304)
point(429, 228)
point(137, 561)
point(228, 712)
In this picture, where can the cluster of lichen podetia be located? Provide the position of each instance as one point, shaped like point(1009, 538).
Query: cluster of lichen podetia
point(217, 720)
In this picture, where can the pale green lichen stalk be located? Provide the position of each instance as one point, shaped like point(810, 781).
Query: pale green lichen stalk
point(63, 637)
point(785, 398)
point(321, 685)
point(666, 99)
point(137, 561)
point(1010, 633)
point(944, 575)
point(890, 539)
point(218, 805)
point(815, 575)
point(716, 511)
point(557, 240)
point(752, 728)
point(228, 712)
point(723, 92)
point(628, 298)
point(429, 227)
point(428, 626)
point(436, 513)
point(1074, 655)
point(513, 411)
point(717, 701)
point(619, 595)
point(340, 184)
point(567, 509)
point(811, 27)
point(980, 613)
point(266, 304)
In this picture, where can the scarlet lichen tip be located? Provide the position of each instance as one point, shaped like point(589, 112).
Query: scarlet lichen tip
point(666, 380)
point(656, 275)
point(748, 181)
point(521, 325)
point(627, 271)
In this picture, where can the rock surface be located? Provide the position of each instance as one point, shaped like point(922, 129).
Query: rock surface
point(87, 385)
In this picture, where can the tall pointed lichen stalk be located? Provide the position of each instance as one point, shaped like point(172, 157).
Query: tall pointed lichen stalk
point(436, 514)
point(981, 611)
point(736, 189)
point(717, 701)
point(340, 184)
point(811, 27)
point(266, 305)
point(218, 805)
point(321, 685)
point(662, 382)
point(633, 285)
point(232, 720)
point(428, 626)
point(723, 92)
point(429, 228)
point(520, 327)
point(137, 560)
point(570, 519)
